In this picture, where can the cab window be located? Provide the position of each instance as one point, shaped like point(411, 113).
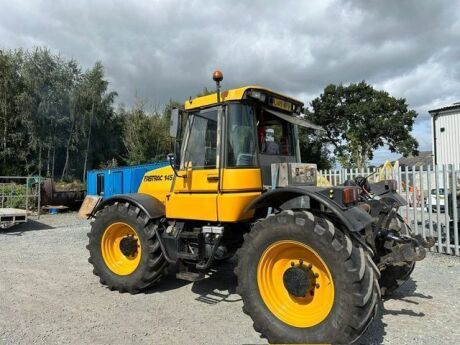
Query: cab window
point(275, 135)
point(201, 151)
point(241, 133)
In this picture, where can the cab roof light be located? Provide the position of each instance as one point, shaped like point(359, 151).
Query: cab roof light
point(258, 95)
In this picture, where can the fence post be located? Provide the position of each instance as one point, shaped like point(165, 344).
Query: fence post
point(414, 200)
point(27, 197)
point(445, 170)
point(438, 211)
point(39, 196)
point(400, 189)
point(406, 171)
point(428, 199)
point(422, 201)
point(454, 210)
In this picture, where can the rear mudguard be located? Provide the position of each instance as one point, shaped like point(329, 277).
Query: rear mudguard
point(152, 207)
point(382, 191)
point(353, 218)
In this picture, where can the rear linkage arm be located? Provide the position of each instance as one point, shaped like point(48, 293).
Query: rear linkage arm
point(408, 248)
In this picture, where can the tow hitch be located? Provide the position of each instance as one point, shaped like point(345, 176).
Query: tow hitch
point(408, 248)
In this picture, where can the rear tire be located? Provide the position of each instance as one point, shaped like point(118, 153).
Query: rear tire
point(129, 273)
point(353, 276)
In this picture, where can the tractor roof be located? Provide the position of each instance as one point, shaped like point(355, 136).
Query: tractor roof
point(233, 95)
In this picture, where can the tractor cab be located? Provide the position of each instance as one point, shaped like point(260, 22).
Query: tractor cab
point(245, 128)
point(224, 147)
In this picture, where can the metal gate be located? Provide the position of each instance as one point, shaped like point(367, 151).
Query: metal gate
point(19, 199)
point(432, 194)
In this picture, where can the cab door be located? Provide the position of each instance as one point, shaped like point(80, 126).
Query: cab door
point(240, 178)
point(194, 195)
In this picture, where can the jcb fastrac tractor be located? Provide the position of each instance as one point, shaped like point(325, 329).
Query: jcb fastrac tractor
point(312, 262)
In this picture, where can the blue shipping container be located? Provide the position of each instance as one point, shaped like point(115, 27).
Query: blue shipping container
point(119, 180)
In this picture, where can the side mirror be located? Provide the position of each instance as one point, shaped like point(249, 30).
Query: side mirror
point(171, 158)
point(172, 162)
point(174, 124)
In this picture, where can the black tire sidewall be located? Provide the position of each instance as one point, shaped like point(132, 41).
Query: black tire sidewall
point(114, 215)
point(333, 324)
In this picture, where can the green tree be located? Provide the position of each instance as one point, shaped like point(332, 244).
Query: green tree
point(10, 86)
point(39, 105)
point(359, 119)
point(146, 135)
point(53, 117)
point(95, 104)
point(313, 150)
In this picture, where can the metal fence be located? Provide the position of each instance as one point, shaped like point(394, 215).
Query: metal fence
point(432, 194)
point(21, 193)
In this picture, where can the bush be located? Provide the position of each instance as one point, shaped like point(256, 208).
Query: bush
point(13, 195)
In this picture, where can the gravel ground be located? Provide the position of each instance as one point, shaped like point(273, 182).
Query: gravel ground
point(48, 295)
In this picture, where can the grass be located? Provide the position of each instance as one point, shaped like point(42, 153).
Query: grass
point(64, 186)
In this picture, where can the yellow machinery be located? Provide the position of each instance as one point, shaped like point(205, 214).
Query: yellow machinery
point(307, 272)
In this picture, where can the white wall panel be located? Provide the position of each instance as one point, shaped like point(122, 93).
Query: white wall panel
point(448, 140)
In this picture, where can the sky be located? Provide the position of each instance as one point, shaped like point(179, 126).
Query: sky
point(161, 50)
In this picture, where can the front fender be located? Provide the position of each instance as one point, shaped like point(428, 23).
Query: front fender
point(151, 206)
point(353, 218)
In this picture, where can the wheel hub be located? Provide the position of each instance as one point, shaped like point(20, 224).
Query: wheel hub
point(128, 245)
point(299, 279)
point(280, 284)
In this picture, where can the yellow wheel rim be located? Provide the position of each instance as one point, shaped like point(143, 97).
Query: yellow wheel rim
point(114, 258)
point(301, 311)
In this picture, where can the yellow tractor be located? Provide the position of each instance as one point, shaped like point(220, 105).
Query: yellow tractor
point(311, 260)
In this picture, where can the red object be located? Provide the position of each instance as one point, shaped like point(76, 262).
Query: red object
point(350, 195)
point(261, 136)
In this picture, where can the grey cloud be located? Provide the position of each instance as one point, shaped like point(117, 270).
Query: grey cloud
point(168, 49)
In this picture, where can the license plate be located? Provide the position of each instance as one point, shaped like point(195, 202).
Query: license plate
point(279, 103)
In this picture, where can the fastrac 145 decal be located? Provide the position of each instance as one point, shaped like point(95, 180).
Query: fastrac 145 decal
point(156, 178)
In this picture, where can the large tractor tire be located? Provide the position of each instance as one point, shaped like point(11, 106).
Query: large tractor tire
point(303, 280)
point(394, 276)
point(124, 250)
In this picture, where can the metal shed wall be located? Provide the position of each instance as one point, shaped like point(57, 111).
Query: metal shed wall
point(446, 137)
point(119, 180)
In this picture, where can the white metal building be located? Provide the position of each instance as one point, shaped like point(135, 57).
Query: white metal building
point(446, 134)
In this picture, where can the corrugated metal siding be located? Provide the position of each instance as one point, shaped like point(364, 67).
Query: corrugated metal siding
point(119, 180)
point(448, 141)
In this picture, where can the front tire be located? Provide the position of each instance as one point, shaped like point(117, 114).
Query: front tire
point(341, 296)
point(124, 250)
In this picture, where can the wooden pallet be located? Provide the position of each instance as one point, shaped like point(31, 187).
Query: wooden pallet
point(12, 215)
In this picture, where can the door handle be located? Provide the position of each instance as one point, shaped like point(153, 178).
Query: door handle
point(213, 178)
